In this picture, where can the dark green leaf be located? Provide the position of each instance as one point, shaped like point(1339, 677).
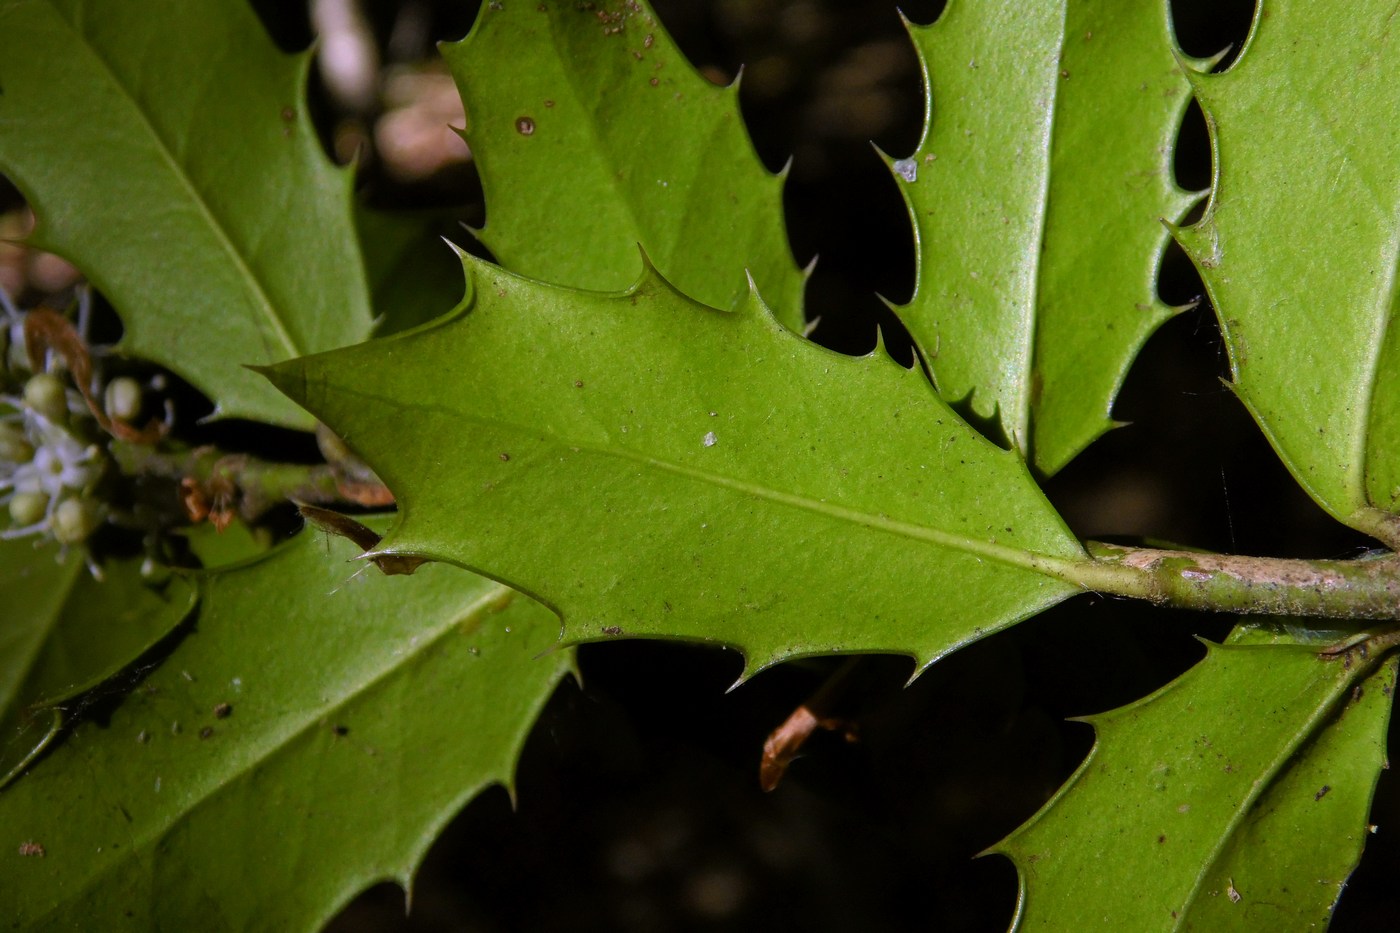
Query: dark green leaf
point(309, 738)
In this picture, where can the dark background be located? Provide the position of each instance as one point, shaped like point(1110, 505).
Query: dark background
point(638, 806)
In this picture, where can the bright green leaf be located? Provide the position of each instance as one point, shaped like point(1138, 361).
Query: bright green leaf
point(66, 632)
point(362, 713)
point(1298, 247)
point(166, 150)
point(1150, 831)
point(1037, 195)
point(652, 467)
point(593, 134)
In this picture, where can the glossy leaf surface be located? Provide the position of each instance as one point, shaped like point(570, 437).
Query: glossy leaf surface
point(166, 151)
point(652, 467)
point(593, 134)
point(281, 760)
point(1161, 827)
point(1037, 195)
point(1298, 247)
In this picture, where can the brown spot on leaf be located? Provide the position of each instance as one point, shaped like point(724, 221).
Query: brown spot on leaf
point(223, 710)
point(31, 849)
point(525, 126)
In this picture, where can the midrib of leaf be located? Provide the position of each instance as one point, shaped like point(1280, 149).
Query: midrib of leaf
point(600, 140)
point(196, 196)
point(1321, 712)
point(1376, 349)
point(1023, 559)
point(1081, 100)
point(276, 745)
point(1023, 384)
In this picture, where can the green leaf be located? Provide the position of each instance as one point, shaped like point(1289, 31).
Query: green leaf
point(1298, 247)
point(1293, 853)
point(412, 277)
point(1036, 196)
point(648, 466)
point(66, 632)
point(362, 713)
point(33, 588)
point(166, 150)
point(593, 134)
point(1201, 806)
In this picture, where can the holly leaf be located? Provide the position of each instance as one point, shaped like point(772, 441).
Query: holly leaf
point(593, 134)
point(649, 466)
point(329, 723)
point(1301, 130)
point(411, 277)
point(66, 633)
point(1036, 197)
point(1233, 798)
point(216, 226)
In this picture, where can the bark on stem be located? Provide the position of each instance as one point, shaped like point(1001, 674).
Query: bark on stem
point(1363, 589)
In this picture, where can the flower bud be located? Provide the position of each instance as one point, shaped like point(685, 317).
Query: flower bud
point(26, 508)
point(122, 398)
point(74, 520)
point(44, 392)
point(14, 446)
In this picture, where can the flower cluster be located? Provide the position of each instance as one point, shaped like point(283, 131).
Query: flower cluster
point(50, 457)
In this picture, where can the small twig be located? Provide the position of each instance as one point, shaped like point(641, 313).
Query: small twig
point(218, 487)
point(785, 742)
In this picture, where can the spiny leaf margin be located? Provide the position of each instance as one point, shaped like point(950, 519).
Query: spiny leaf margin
point(1036, 196)
point(363, 712)
point(651, 467)
point(1149, 819)
point(1311, 321)
point(593, 134)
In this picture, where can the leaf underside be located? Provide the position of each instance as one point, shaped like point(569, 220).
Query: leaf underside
point(361, 715)
point(1036, 196)
point(593, 134)
point(1298, 247)
point(1234, 798)
point(649, 466)
point(216, 225)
